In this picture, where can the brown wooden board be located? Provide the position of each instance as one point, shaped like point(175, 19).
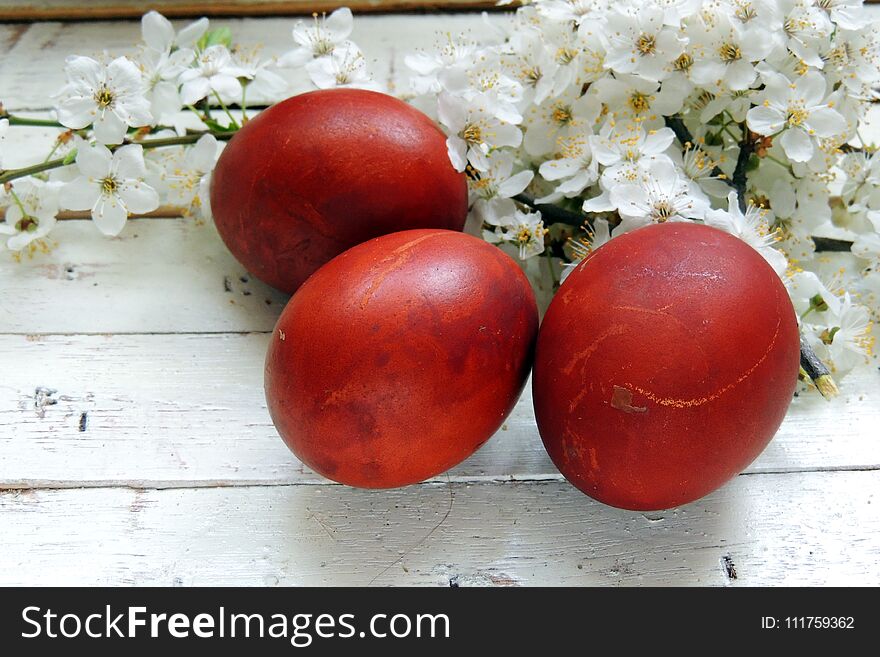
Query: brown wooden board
point(25, 10)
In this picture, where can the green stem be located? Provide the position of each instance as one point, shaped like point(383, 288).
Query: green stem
point(729, 133)
point(54, 149)
point(39, 123)
point(773, 158)
point(18, 202)
point(226, 109)
point(14, 174)
point(204, 116)
point(244, 103)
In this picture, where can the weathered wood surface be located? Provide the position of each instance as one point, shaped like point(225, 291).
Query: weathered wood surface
point(135, 446)
point(188, 410)
point(90, 10)
point(806, 528)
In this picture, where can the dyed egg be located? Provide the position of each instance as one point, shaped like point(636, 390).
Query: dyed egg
point(399, 358)
point(664, 366)
point(320, 172)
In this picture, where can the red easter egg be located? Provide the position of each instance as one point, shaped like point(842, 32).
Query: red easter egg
point(664, 365)
point(399, 358)
point(320, 172)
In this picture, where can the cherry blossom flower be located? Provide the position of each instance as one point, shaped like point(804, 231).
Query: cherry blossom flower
point(109, 98)
point(726, 53)
point(632, 96)
point(214, 72)
point(752, 227)
point(547, 122)
point(31, 214)
point(491, 191)
point(345, 67)
point(799, 110)
point(165, 57)
point(111, 186)
point(576, 166)
point(640, 42)
point(524, 230)
point(474, 130)
point(159, 35)
point(182, 174)
point(321, 39)
point(662, 195)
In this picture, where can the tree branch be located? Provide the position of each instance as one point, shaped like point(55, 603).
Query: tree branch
point(684, 136)
point(816, 370)
point(13, 174)
point(740, 176)
point(554, 213)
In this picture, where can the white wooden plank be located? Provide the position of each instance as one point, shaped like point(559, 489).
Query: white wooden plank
point(808, 528)
point(160, 275)
point(188, 410)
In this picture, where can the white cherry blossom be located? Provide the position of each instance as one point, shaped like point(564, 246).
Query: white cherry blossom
point(320, 39)
point(110, 185)
point(726, 53)
point(576, 166)
point(474, 130)
point(752, 227)
point(214, 72)
point(662, 195)
point(524, 230)
point(109, 98)
point(31, 213)
point(345, 67)
point(799, 110)
point(640, 42)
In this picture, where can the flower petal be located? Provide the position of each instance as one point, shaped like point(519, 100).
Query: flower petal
point(740, 75)
point(811, 88)
point(157, 31)
point(128, 162)
point(139, 197)
point(80, 194)
point(226, 86)
point(515, 184)
point(765, 120)
point(188, 36)
point(77, 112)
point(84, 71)
point(194, 89)
point(826, 122)
point(109, 128)
point(797, 145)
point(109, 216)
point(558, 169)
point(339, 24)
point(93, 161)
point(457, 149)
point(451, 112)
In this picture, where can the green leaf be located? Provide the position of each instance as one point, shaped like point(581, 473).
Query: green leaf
point(221, 36)
point(213, 125)
point(754, 162)
point(69, 158)
point(714, 139)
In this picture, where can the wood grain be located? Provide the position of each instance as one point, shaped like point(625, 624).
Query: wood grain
point(135, 447)
point(188, 410)
point(796, 529)
point(109, 9)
